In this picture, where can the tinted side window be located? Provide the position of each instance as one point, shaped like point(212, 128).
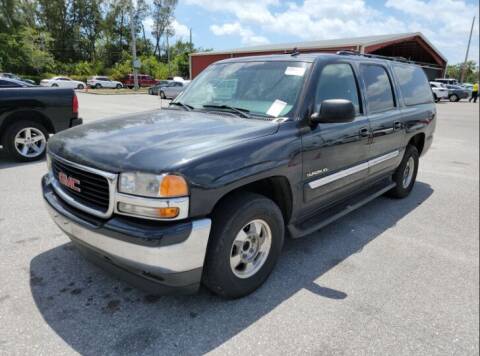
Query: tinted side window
point(413, 84)
point(379, 89)
point(7, 84)
point(337, 81)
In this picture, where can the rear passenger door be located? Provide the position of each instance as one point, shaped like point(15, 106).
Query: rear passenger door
point(385, 119)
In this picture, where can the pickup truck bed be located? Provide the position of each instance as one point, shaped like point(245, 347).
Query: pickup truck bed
point(29, 115)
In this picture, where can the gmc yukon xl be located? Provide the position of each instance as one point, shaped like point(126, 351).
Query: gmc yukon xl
point(255, 149)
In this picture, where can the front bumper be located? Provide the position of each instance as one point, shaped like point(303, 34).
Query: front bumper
point(158, 257)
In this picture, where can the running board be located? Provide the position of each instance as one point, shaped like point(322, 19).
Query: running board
point(337, 211)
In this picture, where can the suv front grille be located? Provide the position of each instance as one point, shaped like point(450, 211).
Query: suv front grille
point(90, 189)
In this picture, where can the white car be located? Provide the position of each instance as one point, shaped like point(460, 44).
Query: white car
point(63, 82)
point(440, 91)
point(103, 82)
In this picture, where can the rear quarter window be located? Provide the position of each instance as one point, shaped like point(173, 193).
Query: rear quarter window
point(413, 84)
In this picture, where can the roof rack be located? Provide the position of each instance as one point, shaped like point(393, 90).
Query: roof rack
point(368, 55)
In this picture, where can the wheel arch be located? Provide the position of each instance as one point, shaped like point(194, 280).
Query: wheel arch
point(418, 141)
point(31, 115)
point(276, 188)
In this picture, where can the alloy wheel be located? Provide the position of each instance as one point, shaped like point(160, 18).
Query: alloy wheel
point(30, 142)
point(250, 248)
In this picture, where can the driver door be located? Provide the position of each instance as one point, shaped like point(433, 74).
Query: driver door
point(335, 154)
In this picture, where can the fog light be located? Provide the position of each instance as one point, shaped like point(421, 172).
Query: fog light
point(164, 213)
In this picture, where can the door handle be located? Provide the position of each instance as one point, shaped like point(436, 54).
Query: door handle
point(364, 132)
point(397, 125)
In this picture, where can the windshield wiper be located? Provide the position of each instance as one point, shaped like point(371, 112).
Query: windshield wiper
point(240, 111)
point(183, 105)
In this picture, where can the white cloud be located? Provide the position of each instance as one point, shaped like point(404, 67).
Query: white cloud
point(181, 31)
point(247, 35)
point(446, 23)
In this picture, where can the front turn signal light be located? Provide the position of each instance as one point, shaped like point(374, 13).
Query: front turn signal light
point(173, 186)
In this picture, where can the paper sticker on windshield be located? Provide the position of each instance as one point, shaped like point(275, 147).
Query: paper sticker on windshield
point(299, 71)
point(276, 108)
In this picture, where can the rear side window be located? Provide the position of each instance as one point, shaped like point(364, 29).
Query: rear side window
point(413, 84)
point(337, 81)
point(379, 88)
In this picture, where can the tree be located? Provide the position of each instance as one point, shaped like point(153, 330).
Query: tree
point(162, 15)
point(34, 46)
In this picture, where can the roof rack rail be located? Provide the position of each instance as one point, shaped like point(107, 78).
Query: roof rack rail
point(368, 55)
point(295, 52)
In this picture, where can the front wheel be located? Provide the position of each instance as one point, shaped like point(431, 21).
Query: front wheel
point(119, 86)
point(80, 86)
point(98, 86)
point(246, 241)
point(406, 174)
point(26, 141)
point(453, 98)
point(162, 95)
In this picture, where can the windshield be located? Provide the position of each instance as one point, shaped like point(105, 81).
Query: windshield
point(266, 88)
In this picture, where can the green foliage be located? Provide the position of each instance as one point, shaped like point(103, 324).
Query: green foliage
point(80, 38)
point(471, 72)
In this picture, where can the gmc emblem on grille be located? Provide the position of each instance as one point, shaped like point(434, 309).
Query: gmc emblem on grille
point(69, 182)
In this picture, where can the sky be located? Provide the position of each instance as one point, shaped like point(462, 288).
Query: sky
point(228, 24)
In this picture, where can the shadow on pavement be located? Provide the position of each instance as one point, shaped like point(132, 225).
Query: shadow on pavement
point(8, 162)
point(96, 314)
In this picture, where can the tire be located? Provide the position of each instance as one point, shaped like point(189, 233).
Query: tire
point(150, 92)
point(54, 85)
point(435, 98)
point(162, 95)
point(98, 86)
point(404, 177)
point(17, 132)
point(453, 98)
point(80, 86)
point(225, 273)
point(119, 86)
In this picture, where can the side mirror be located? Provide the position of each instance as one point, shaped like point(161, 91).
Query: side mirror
point(334, 111)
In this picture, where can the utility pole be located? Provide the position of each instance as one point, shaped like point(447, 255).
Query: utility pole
point(134, 46)
point(464, 67)
point(190, 38)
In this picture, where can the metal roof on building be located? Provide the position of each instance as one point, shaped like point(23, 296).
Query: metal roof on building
point(324, 44)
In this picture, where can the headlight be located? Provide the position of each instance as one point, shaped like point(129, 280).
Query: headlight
point(151, 185)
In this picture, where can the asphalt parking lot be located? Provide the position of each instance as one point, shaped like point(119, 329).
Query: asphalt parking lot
point(395, 277)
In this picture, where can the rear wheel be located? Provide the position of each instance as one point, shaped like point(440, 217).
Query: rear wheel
point(454, 98)
point(162, 95)
point(55, 85)
point(80, 86)
point(436, 98)
point(119, 86)
point(246, 241)
point(406, 173)
point(98, 86)
point(26, 141)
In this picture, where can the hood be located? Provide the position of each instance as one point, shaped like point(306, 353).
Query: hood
point(154, 141)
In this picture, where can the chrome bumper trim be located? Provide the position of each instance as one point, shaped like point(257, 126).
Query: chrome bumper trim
point(181, 257)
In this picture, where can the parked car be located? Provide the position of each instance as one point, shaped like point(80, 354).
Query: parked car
point(439, 90)
point(154, 90)
point(13, 83)
point(63, 82)
point(14, 76)
point(143, 81)
point(29, 115)
point(457, 93)
point(103, 82)
point(172, 90)
point(451, 81)
point(205, 190)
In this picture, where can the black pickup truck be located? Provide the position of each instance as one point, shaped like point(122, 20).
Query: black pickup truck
point(28, 115)
point(254, 150)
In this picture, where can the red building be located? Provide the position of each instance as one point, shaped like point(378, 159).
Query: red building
point(412, 46)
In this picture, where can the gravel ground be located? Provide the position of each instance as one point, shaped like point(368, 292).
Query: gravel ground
point(395, 277)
